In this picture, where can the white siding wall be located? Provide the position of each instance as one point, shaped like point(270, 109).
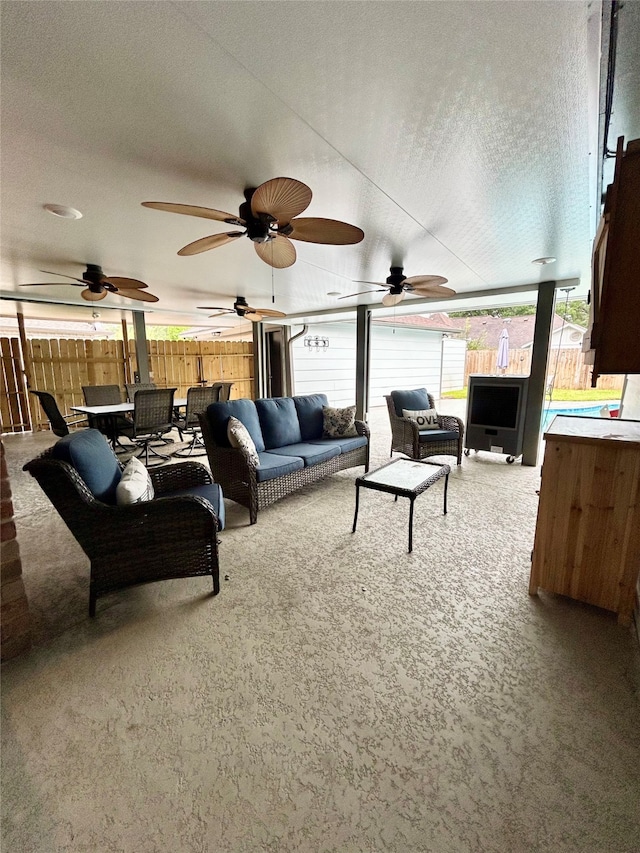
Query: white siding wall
point(454, 353)
point(404, 358)
point(331, 371)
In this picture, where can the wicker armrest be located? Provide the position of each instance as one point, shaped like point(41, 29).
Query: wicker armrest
point(451, 422)
point(183, 475)
point(363, 428)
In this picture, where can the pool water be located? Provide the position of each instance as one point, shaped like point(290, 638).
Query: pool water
point(591, 411)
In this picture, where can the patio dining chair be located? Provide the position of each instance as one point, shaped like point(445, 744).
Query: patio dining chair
point(59, 423)
point(152, 419)
point(113, 426)
point(198, 398)
point(133, 387)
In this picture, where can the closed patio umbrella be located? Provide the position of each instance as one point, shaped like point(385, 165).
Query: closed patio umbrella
point(503, 350)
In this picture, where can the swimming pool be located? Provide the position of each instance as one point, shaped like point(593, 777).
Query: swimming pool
point(588, 411)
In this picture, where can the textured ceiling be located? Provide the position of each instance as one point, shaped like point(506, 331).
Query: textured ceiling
point(456, 135)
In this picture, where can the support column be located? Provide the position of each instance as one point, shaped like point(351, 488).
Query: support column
point(259, 361)
point(142, 354)
point(537, 376)
point(363, 361)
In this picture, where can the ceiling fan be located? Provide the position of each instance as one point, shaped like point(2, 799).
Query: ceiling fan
point(96, 285)
point(241, 308)
point(268, 215)
point(398, 285)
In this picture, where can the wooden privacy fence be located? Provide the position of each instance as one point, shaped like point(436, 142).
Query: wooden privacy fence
point(567, 366)
point(62, 367)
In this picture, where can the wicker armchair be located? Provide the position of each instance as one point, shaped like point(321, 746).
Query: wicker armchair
point(172, 536)
point(408, 438)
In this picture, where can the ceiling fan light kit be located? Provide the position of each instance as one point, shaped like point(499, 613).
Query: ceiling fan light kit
point(269, 215)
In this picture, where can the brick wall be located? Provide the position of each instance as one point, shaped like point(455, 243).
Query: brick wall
point(15, 623)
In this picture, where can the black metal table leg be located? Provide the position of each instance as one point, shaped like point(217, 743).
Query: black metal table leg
point(355, 517)
point(412, 500)
point(446, 483)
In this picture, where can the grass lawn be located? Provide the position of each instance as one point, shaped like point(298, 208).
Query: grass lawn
point(559, 395)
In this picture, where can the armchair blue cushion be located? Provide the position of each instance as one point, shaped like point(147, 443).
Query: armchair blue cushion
point(210, 491)
point(88, 452)
point(245, 411)
point(309, 409)
point(279, 422)
point(413, 401)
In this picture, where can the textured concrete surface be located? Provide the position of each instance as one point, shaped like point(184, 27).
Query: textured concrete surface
point(338, 695)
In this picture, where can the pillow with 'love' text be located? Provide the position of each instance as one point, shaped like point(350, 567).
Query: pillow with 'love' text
point(427, 418)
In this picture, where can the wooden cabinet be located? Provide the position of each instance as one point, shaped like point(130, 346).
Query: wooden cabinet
point(587, 541)
point(610, 343)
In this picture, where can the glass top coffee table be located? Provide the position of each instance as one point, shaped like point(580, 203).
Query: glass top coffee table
point(405, 478)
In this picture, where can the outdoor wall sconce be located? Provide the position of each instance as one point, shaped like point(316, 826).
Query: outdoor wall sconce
point(316, 343)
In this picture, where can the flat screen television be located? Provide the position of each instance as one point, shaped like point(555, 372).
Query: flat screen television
point(495, 413)
point(495, 405)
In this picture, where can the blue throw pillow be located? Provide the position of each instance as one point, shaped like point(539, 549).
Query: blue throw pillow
point(88, 452)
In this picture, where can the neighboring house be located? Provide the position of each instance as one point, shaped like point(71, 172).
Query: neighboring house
point(486, 331)
point(58, 329)
point(406, 352)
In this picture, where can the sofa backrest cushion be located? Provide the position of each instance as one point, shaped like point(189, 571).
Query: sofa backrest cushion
point(279, 421)
point(309, 409)
point(245, 411)
point(88, 452)
point(414, 400)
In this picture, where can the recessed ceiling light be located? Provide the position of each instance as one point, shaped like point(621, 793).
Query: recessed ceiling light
point(333, 293)
point(542, 261)
point(62, 211)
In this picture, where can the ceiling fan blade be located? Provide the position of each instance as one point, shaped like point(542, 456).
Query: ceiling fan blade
point(211, 242)
point(72, 277)
point(90, 296)
point(377, 283)
point(194, 210)
point(282, 198)
point(213, 308)
point(125, 283)
point(53, 284)
point(434, 290)
point(140, 295)
point(328, 231)
point(253, 316)
point(267, 312)
point(279, 252)
point(392, 299)
point(360, 293)
point(416, 280)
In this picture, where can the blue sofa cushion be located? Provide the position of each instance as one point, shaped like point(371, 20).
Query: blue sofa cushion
point(88, 452)
point(428, 435)
point(312, 453)
point(309, 409)
point(211, 491)
point(245, 411)
point(412, 400)
point(345, 444)
point(279, 422)
point(273, 465)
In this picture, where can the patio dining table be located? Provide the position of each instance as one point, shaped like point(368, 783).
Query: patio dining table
point(115, 409)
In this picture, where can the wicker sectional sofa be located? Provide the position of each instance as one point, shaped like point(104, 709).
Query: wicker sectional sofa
point(292, 452)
